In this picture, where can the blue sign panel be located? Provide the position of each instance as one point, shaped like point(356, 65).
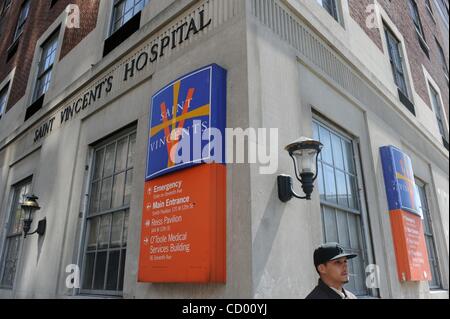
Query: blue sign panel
point(187, 122)
point(399, 180)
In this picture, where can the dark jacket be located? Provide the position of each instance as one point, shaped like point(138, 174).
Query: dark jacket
point(322, 291)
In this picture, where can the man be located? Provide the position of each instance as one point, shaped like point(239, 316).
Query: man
point(330, 261)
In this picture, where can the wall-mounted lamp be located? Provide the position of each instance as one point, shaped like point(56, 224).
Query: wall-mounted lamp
point(29, 206)
point(304, 153)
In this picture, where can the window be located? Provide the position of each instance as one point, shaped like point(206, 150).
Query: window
point(45, 67)
point(442, 57)
point(395, 57)
point(340, 203)
point(331, 7)
point(429, 9)
point(22, 19)
point(437, 106)
point(3, 99)
point(6, 4)
point(107, 217)
point(13, 236)
point(414, 12)
point(428, 5)
point(429, 238)
point(124, 10)
point(396, 60)
point(443, 10)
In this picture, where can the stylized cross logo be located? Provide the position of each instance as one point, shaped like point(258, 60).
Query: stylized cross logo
point(176, 123)
point(403, 175)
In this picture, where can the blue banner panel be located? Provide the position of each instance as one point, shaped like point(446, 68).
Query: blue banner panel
point(399, 180)
point(187, 122)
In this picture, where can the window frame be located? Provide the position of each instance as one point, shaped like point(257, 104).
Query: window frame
point(6, 5)
point(125, 210)
point(400, 71)
point(8, 235)
point(4, 95)
point(389, 35)
point(415, 14)
point(443, 59)
point(438, 110)
point(20, 25)
point(335, 10)
point(113, 19)
point(366, 257)
point(427, 215)
point(42, 73)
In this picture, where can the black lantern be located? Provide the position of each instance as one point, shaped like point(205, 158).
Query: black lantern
point(304, 153)
point(29, 206)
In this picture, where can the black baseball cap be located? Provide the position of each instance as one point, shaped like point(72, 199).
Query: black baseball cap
point(328, 252)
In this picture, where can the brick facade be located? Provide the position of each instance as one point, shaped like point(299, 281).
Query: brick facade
point(40, 17)
point(398, 12)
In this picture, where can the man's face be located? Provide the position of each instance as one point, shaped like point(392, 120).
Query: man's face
point(335, 270)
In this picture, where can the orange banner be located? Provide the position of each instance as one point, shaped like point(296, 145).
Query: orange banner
point(183, 236)
point(410, 247)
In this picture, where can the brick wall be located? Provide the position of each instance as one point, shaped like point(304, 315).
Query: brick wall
point(398, 11)
point(41, 16)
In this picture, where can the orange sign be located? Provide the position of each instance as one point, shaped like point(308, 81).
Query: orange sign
point(410, 246)
point(183, 237)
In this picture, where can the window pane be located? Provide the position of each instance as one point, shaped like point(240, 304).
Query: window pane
point(105, 199)
point(354, 227)
point(359, 275)
point(320, 182)
point(109, 160)
point(122, 268)
point(337, 152)
point(98, 168)
point(352, 192)
point(348, 157)
point(94, 200)
point(100, 267)
point(125, 230)
point(116, 230)
point(351, 270)
point(128, 185)
point(330, 225)
point(344, 237)
point(118, 190)
point(93, 225)
point(121, 156)
point(17, 221)
point(341, 189)
point(10, 262)
point(325, 138)
point(88, 270)
point(131, 151)
point(113, 270)
point(330, 183)
point(103, 237)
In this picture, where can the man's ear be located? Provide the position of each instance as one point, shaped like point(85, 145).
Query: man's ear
point(321, 268)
